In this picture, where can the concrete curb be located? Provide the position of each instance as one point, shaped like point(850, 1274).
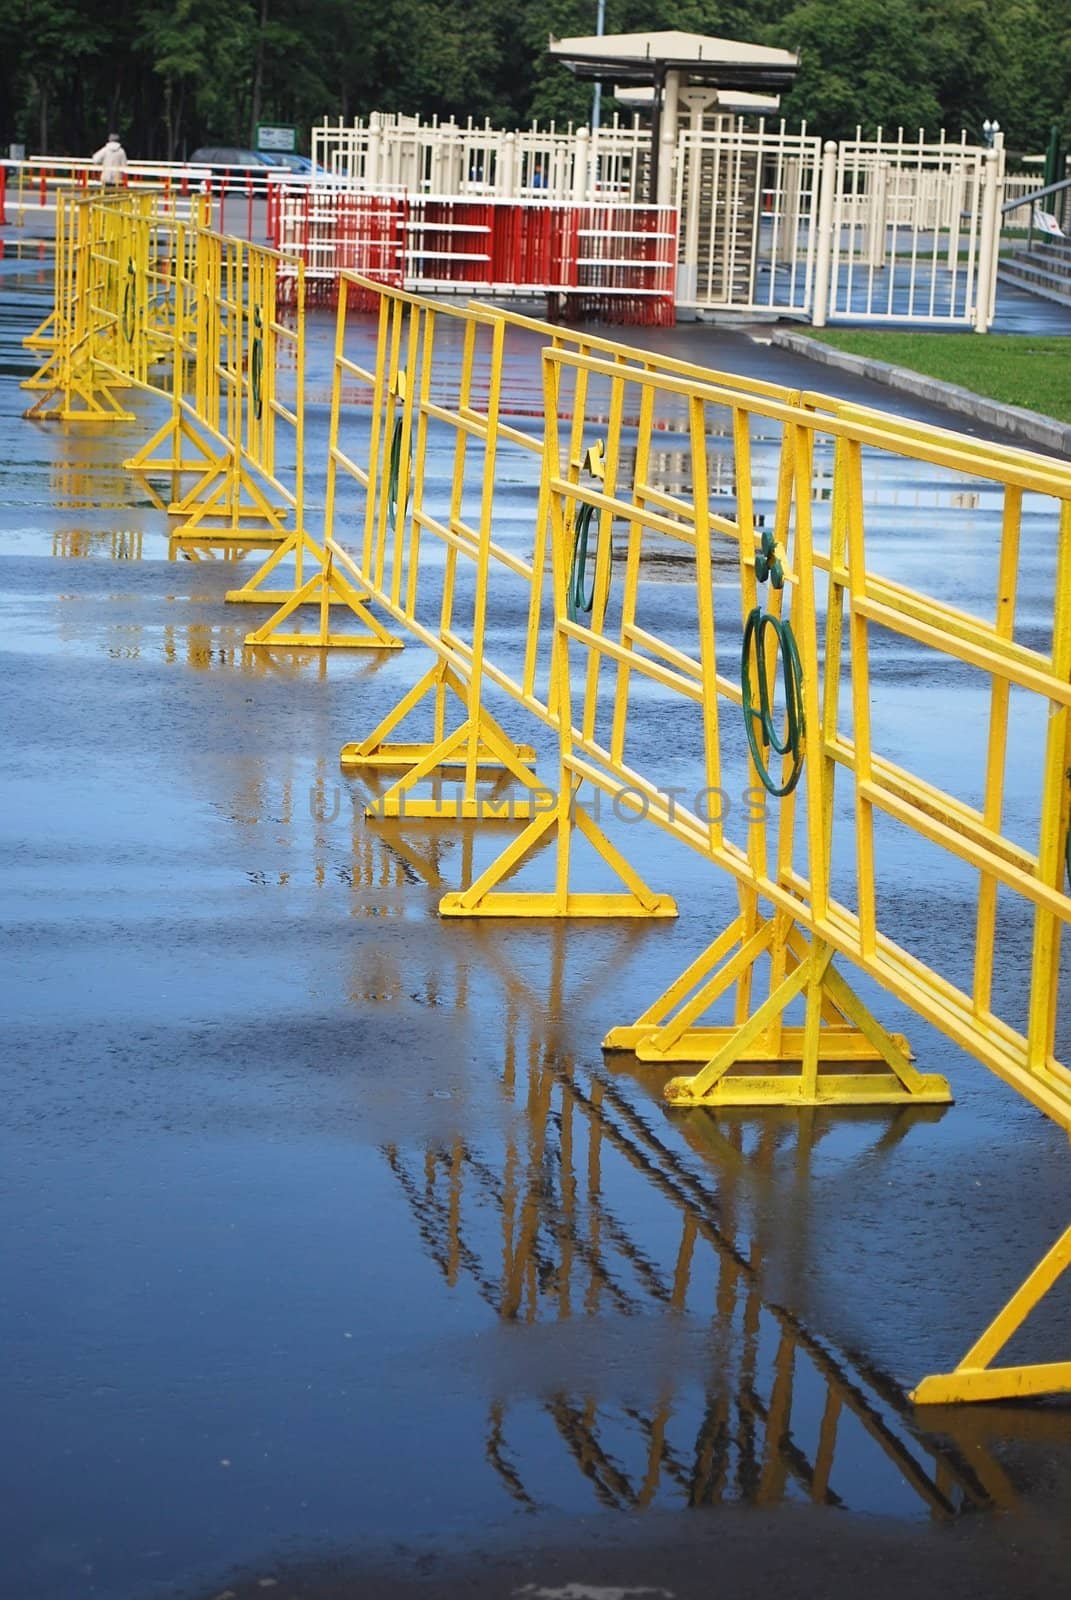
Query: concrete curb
point(1031, 425)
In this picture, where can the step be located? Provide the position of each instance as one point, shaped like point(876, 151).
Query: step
point(1054, 273)
point(1048, 253)
point(1062, 297)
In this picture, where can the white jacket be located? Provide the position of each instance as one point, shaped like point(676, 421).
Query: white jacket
point(111, 159)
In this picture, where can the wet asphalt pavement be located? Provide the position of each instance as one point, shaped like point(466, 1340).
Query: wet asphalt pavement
point(336, 1259)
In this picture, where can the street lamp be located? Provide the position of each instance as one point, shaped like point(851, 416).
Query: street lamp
point(990, 131)
point(596, 101)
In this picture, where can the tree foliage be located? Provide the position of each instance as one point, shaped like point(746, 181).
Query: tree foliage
point(172, 74)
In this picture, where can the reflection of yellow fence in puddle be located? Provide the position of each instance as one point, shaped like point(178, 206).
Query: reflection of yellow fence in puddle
point(75, 544)
point(586, 1211)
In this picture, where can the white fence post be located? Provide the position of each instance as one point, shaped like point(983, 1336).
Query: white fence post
point(825, 234)
point(506, 171)
point(581, 171)
point(876, 225)
point(985, 285)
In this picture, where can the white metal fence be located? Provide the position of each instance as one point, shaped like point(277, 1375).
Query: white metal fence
point(568, 164)
point(889, 229)
point(746, 201)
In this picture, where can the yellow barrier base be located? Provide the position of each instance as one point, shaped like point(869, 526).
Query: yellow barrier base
point(227, 501)
point(325, 588)
point(839, 1030)
point(557, 826)
point(68, 396)
point(173, 434)
point(298, 544)
point(479, 745)
point(976, 1378)
point(44, 336)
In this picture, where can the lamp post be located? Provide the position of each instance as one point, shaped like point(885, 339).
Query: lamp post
point(596, 101)
point(989, 132)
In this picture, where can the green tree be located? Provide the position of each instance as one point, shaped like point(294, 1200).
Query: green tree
point(863, 63)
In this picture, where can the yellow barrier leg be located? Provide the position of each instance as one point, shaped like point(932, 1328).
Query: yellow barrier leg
point(172, 433)
point(325, 588)
point(236, 510)
point(841, 1055)
point(976, 1378)
point(44, 336)
point(479, 743)
point(556, 826)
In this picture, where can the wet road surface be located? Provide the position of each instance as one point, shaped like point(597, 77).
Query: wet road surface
point(337, 1259)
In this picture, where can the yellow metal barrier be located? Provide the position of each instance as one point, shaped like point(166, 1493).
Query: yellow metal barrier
point(73, 382)
point(225, 403)
point(763, 1016)
point(113, 305)
point(435, 444)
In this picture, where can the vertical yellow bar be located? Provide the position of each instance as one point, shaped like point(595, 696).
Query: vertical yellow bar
point(997, 746)
point(704, 577)
point(373, 499)
point(603, 556)
point(630, 597)
point(807, 640)
point(838, 555)
point(333, 423)
point(1055, 819)
point(860, 672)
point(422, 402)
point(483, 563)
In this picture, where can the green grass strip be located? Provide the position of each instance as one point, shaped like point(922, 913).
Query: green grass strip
point(1018, 369)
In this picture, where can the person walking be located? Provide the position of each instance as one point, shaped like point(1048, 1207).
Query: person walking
point(111, 159)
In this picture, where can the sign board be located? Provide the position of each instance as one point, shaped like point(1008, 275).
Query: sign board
point(16, 152)
point(273, 136)
point(1045, 222)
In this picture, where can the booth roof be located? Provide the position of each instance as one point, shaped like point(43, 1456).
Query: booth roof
point(640, 57)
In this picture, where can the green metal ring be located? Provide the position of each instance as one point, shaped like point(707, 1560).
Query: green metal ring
point(759, 722)
point(256, 364)
point(394, 472)
point(130, 310)
point(576, 602)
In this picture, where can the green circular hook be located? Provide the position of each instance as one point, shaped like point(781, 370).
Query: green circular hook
point(256, 364)
point(577, 602)
point(759, 722)
point(129, 306)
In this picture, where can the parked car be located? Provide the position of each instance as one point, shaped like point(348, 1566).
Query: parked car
point(300, 164)
point(226, 157)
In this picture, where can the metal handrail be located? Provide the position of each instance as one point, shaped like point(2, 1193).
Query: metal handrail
point(1030, 200)
point(1036, 194)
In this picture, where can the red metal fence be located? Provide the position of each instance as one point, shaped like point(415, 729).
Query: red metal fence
point(616, 263)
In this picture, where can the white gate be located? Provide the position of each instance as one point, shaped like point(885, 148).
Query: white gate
point(747, 202)
point(908, 232)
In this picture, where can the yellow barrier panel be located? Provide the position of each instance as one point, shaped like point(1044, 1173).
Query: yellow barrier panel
point(113, 304)
point(428, 554)
point(386, 384)
point(324, 574)
point(228, 341)
point(86, 315)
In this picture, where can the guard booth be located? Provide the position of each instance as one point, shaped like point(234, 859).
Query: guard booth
point(697, 89)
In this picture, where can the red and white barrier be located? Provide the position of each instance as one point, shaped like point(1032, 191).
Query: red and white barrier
point(613, 262)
